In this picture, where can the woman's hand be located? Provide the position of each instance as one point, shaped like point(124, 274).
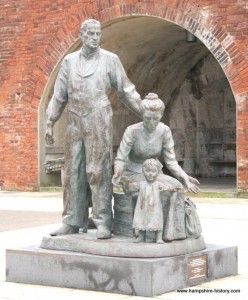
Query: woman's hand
point(192, 185)
point(117, 175)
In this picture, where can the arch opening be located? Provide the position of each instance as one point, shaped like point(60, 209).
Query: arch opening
point(200, 106)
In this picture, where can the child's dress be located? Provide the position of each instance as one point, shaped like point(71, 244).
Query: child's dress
point(148, 213)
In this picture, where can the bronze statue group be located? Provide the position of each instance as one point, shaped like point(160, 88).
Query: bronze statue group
point(85, 79)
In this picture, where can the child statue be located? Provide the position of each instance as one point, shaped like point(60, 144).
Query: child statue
point(148, 213)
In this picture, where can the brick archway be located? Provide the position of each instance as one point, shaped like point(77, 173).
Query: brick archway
point(201, 19)
point(219, 42)
point(215, 38)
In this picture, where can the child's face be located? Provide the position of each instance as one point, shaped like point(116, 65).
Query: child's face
point(150, 174)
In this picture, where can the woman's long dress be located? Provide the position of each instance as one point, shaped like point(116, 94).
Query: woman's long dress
point(136, 146)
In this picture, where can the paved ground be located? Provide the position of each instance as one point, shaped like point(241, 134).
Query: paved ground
point(26, 217)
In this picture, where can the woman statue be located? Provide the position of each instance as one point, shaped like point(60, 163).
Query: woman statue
point(153, 139)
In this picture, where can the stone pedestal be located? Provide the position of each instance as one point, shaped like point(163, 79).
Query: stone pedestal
point(131, 276)
point(120, 246)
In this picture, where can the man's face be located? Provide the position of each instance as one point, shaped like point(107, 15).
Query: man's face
point(91, 37)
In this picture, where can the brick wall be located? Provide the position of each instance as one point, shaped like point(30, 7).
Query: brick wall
point(34, 35)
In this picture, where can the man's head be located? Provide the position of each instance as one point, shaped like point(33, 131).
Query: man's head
point(90, 33)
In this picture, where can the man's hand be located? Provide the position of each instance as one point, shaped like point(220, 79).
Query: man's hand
point(192, 185)
point(49, 133)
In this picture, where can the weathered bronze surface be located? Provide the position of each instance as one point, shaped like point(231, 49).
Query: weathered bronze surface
point(85, 79)
point(152, 139)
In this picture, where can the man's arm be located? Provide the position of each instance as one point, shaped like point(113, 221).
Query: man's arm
point(123, 152)
point(58, 101)
point(124, 87)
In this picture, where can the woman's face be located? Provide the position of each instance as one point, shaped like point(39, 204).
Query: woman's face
point(151, 119)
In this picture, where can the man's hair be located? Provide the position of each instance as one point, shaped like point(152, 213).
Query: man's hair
point(152, 103)
point(87, 23)
point(152, 163)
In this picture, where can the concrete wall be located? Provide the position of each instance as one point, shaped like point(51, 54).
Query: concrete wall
point(203, 121)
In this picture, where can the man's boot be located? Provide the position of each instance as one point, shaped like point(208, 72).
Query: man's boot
point(65, 229)
point(103, 229)
point(103, 232)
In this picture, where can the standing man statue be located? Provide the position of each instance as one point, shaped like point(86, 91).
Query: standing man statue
point(85, 79)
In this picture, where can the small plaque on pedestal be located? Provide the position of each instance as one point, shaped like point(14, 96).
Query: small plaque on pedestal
point(197, 267)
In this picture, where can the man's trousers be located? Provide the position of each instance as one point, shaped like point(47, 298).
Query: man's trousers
point(88, 168)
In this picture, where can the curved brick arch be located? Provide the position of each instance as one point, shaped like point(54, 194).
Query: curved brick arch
point(211, 34)
point(200, 22)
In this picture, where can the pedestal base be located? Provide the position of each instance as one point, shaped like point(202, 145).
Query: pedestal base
point(120, 246)
point(131, 276)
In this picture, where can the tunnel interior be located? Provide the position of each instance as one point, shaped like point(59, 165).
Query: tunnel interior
point(200, 106)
